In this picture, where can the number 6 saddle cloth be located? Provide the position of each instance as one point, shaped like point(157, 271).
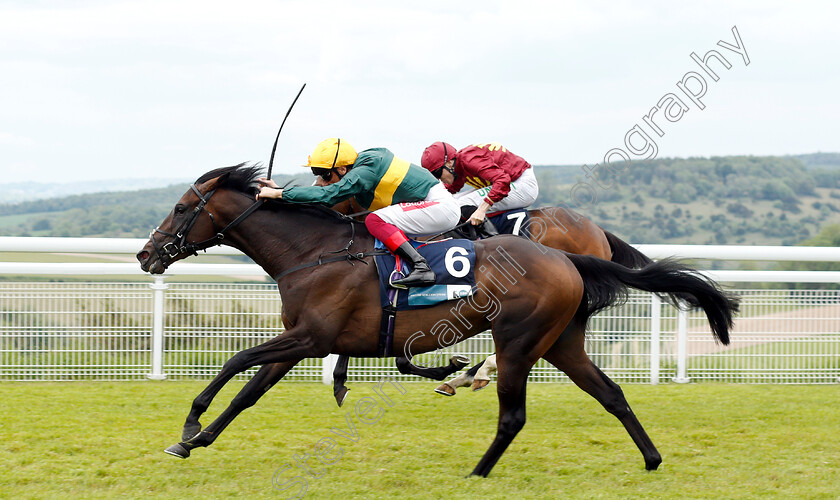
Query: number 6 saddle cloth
point(453, 262)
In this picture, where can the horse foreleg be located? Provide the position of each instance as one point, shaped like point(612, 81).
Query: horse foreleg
point(263, 380)
point(290, 346)
point(192, 426)
point(339, 378)
point(456, 362)
point(572, 360)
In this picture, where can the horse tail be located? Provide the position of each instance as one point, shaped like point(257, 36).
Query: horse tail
point(626, 255)
point(606, 283)
point(623, 253)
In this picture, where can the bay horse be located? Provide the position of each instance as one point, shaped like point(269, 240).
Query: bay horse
point(556, 227)
point(526, 294)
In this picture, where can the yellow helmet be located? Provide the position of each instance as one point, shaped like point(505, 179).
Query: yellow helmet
point(331, 153)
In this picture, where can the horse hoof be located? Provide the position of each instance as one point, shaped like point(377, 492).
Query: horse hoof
point(459, 361)
point(445, 389)
point(178, 451)
point(340, 396)
point(478, 385)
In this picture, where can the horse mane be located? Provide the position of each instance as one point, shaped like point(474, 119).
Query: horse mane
point(243, 178)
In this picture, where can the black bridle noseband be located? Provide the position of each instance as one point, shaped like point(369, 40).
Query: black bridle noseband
point(169, 251)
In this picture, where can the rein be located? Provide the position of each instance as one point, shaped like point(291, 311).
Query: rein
point(172, 249)
point(459, 226)
point(349, 256)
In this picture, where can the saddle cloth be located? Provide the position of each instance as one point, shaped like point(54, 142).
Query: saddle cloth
point(453, 262)
point(512, 222)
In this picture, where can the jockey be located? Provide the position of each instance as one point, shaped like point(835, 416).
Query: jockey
point(497, 178)
point(403, 198)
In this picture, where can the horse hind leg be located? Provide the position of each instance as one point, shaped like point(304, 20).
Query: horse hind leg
point(513, 378)
point(456, 362)
point(482, 376)
point(569, 357)
point(462, 380)
point(515, 356)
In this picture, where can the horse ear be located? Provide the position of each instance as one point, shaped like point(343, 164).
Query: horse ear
point(222, 179)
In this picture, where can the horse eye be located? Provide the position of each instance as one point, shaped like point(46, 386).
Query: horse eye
point(180, 209)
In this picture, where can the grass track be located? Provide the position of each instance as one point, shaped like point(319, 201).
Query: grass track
point(104, 440)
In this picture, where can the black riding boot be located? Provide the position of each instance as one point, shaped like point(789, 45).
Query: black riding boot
point(421, 274)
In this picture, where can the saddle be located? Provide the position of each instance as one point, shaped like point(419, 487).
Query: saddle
point(453, 262)
point(509, 222)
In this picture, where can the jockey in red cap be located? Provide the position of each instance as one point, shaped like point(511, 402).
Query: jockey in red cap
point(498, 180)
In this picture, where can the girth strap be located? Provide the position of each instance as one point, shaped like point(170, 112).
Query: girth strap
point(386, 325)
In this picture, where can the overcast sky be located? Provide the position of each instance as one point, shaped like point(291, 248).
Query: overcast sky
point(168, 89)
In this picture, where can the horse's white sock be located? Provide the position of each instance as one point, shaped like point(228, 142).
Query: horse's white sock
point(461, 380)
point(487, 369)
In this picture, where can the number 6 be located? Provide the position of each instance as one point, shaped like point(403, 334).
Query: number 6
point(451, 259)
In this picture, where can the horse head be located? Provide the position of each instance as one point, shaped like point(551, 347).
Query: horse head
point(201, 218)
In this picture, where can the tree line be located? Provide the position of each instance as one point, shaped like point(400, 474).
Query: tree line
point(721, 200)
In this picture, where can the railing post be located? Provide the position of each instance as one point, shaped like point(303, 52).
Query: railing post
point(158, 289)
point(655, 336)
point(327, 367)
point(682, 344)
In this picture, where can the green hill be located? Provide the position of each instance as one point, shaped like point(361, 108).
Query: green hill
point(775, 200)
point(123, 214)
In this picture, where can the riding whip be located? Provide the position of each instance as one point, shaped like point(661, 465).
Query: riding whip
point(271, 160)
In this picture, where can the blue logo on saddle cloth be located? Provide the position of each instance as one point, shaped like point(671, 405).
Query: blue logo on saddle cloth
point(453, 262)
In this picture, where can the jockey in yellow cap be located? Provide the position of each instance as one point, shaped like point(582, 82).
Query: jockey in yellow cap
point(404, 198)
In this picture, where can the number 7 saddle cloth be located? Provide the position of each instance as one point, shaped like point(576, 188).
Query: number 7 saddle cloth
point(453, 262)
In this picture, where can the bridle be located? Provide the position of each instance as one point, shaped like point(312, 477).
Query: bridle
point(167, 252)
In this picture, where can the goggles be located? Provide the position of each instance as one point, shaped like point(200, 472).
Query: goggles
point(324, 173)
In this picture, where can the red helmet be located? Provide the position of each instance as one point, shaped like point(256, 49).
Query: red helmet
point(436, 155)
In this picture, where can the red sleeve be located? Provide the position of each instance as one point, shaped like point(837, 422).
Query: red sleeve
point(501, 183)
point(479, 162)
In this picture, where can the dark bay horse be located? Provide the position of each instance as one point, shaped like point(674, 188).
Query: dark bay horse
point(527, 294)
point(554, 227)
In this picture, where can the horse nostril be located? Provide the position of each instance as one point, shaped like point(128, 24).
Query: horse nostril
point(142, 256)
